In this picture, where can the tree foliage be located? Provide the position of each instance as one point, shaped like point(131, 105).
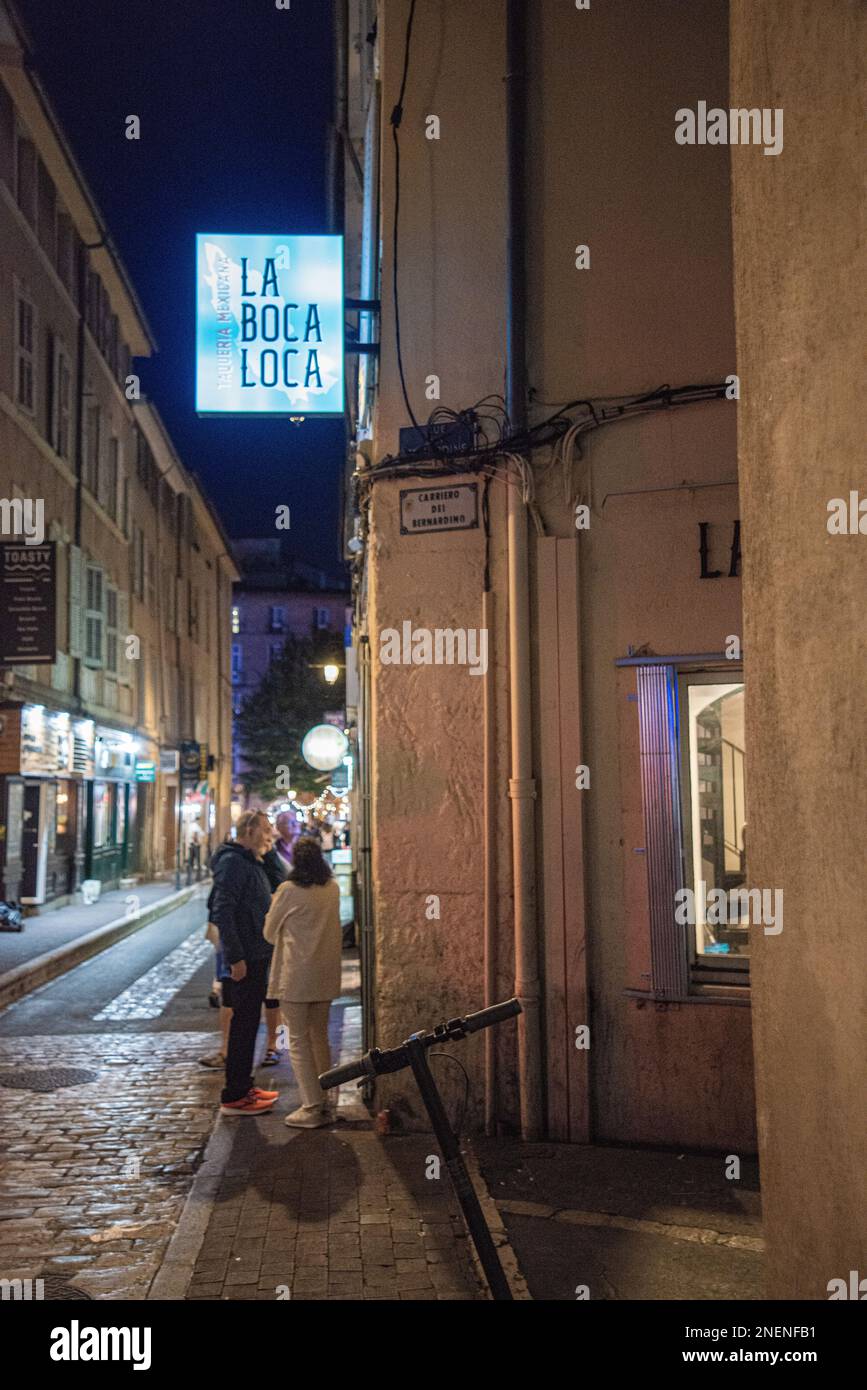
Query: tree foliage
point(291, 697)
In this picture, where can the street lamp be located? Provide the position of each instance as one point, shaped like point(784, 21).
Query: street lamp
point(331, 672)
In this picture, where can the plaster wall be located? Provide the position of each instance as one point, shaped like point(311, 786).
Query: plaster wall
point(801, 326)
point(656, 306)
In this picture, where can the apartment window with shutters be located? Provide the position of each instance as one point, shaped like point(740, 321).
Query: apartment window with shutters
point(92, 430)
point(25, 175)
point(65, 254)
point(109, 493)
point(94, 618)
point(111, 630)
point(150, 579)
point(25, 352)
point(61, 403)
point(193, 612)
point(138, 562)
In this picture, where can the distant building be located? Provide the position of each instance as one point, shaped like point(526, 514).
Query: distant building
point(91, 741)
point(276, 597)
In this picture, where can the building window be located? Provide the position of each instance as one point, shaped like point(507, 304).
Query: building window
point(61, 403)
point(692, 780)
point(65, 254)
point(94, 653)
point(322, 618)
point(92, 424)
point(275, 651)
point(25, 353)
point(25, 176)
point(107, 481)
point(236, 620)
point(101, 814)
point(277, 620)
point(237, 662)
point(138, 554)
point(712, 788)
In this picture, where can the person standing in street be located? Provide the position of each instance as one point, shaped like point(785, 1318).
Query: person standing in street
point(240, 901)
point(287, 833)
point(303, 925)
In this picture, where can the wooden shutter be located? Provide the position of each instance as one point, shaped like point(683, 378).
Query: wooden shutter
point(76, 602)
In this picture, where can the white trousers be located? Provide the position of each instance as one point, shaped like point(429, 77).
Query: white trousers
point(307, 1025)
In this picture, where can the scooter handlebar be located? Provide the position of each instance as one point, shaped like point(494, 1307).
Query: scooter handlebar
point(350, 1071)
point(497, 1013)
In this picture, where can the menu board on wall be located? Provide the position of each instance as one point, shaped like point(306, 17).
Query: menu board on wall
point(28, 615)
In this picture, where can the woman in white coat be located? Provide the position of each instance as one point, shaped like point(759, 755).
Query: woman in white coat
point(303, 926)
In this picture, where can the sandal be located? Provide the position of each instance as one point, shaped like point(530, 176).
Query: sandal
point(270, 1059)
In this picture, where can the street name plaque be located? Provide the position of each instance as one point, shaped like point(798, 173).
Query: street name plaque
point(453, 508)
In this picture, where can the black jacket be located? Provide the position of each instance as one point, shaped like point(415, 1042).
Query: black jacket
point(239, 902)
point(275, 868)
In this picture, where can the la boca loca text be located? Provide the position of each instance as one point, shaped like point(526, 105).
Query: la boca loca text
point(263, 323)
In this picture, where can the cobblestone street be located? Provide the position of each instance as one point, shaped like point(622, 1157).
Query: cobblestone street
point(106, 1116)
point(94, 1176)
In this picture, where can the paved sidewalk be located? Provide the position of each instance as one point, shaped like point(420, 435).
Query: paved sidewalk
point(626, 1223)
point(337, 1214)
point(52, 945)
point(59, 926)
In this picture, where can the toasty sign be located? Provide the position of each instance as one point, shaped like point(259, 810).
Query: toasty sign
point(439, 509)
point(270, 325)
point(27, 604)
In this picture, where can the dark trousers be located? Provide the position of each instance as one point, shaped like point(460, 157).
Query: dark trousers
point(246, 999)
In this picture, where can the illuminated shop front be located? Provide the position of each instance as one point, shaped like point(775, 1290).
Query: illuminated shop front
point(68, 800)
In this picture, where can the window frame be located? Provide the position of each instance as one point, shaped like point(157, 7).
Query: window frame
point(26, 355)
point(724, 970)
point(95, 615)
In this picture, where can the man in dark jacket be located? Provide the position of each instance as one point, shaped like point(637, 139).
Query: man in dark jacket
point(240, 900)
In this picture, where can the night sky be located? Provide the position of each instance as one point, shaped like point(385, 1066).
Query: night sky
point(234, 97)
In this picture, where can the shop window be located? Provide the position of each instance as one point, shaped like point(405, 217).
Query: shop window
point(25, 352)
point(693, 794)
point(101, 814)
point(62, 811)
point(712, 789)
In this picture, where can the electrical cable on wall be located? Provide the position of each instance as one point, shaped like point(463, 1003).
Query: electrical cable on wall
point(396, 118)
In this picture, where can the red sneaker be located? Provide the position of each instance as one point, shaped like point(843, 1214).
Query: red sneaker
point(248, 1105)
point(258, 1094)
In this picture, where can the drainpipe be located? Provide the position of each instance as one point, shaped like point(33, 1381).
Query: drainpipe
point(522, 786)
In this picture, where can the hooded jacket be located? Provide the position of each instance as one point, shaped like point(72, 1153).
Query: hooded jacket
point(239, 903)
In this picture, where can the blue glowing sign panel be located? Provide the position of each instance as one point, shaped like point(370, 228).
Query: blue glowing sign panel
point(269, 335)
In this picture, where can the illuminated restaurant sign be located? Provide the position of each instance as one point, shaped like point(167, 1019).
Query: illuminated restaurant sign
point(270, 328)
